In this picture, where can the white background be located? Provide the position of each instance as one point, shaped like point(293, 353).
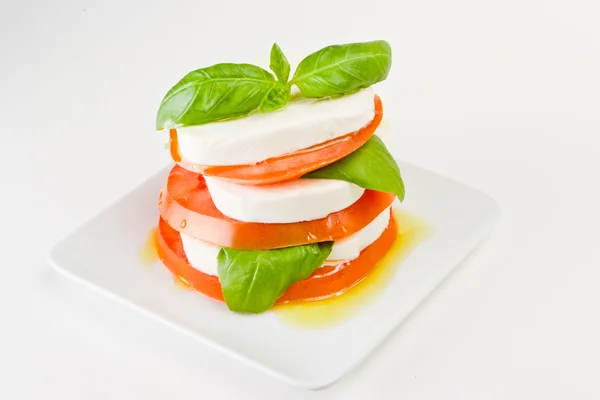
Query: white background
point(501, 95)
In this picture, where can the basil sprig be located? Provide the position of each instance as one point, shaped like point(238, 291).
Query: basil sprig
point(224, 91)
point(276, 98)
point(341, 69)
point(279, 64)
point(371, 166)
point(214, 93)
point(252, 280)
point(280, 94)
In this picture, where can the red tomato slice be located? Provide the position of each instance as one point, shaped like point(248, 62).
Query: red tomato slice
point(326, 282)
point(289, 166)
point(170, 251)
point(185, 204)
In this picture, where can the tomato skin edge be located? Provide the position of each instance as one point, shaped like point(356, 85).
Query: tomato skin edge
point(171, 254)
point(325, 282)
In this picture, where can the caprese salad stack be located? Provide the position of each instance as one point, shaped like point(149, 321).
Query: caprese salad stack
point(281, 190)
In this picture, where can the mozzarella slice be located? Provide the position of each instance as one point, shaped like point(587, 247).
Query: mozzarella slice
point(293, 201)
point(300, 124)
point(203, 255)
point(350, 247)
point(200, 254)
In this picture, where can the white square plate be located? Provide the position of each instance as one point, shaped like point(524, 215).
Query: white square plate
point(104, 254)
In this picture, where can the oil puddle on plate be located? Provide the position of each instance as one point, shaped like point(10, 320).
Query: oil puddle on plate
point(325, 313)
point(148, 254)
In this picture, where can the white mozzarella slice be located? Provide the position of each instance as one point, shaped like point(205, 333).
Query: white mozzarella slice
point(293, 201)
point(350, 247)
point(300, 124)
point(200, 254)
point(203, 255)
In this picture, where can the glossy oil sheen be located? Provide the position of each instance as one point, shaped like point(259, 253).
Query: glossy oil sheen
point(148, 254)
point(324, 313)
point(180, 283)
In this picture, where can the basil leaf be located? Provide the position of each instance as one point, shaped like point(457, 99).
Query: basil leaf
point(214, 93)
point(279, 64)
point(252, 280)
point(343, 68)
point(276, 98)
point(371, 166)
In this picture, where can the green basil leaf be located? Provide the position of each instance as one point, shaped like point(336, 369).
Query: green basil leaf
point(370, 167)
point(214, 93)
point(252, 280)
point(279, 64)
point(277, 97)
point(341, 69)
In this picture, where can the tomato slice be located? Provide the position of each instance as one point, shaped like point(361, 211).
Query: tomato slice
point(289, 166)
point(326, 282)
point(170, 251)
point(185, 204)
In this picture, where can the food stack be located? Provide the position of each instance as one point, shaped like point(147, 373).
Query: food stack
point(281, 191)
